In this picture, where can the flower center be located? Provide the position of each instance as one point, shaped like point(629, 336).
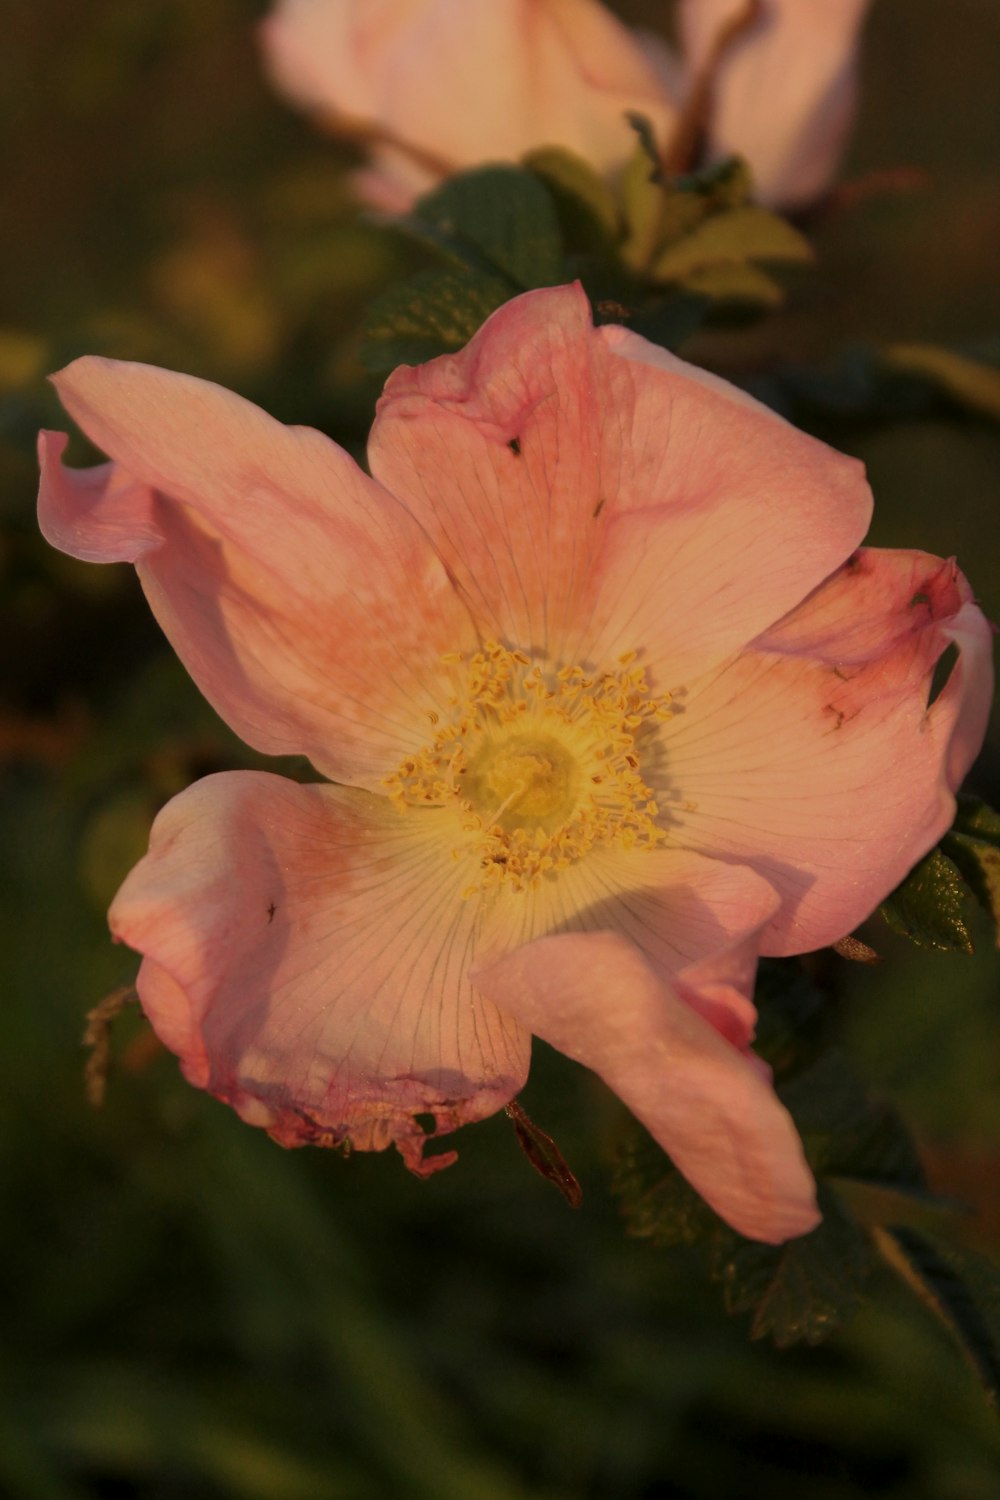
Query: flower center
point(524, 781)
point(541, 764)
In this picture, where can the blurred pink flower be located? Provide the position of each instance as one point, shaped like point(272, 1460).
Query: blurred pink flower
point(784, 91)
point(446, 84)
point(440, 85)
point(613, 702)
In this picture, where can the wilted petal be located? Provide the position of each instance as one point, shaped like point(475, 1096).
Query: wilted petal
point(591, 495)
point(306, 954)
point(814, 756)
point(277, 569)
point(597, 999)
point(784, 92)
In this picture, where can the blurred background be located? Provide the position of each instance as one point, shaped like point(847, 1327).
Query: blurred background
point(189, 1311)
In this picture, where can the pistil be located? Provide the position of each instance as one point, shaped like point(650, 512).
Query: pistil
point(542, 764)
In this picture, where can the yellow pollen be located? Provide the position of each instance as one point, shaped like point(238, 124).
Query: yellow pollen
point(541, 763)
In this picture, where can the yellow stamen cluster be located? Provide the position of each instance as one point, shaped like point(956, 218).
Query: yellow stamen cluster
point(542, 764)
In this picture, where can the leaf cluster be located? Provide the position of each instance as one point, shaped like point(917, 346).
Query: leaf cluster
point(801, 1291)
point(659, 254)
point(872, 1193)
point(930, 907)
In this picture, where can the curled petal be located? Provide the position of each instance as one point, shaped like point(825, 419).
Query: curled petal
point(815, 756)
point(306, 956)
point(274, 565)
point(597, 999)
point(784, 92)
point(591, 495)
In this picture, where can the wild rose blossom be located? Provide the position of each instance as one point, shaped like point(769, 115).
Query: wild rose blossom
point(441, 85)
point(613, 702)
point(784, 90)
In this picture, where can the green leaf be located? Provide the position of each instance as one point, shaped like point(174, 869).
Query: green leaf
point(726, 184)
point(928, 906)
point(432, 313)
point(737, 236)
point(790, 1008)
point(733, 283)
point(974, 847)
point(642, 202)
point(848, 1133)
point(801, 1291)
point(961, 1287)
point(585, 201)
point(503, 215)
point(657, 1203)
point(968, 382)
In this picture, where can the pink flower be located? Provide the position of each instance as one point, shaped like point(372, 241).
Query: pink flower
point(613, 702)
point(446, 84)
point(784, 92)
point(440, 85)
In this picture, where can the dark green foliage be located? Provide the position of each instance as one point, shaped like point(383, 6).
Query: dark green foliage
point(586, 205)
point(502, 230)
point(848, 1133)
point(499, 231)
point(657, 1203)
point(703, 234)
point(971, 384)
point(974, 847)
point(501, 217)
point(435, 312)
point(895, 382)
point(961, 1287)
point(929, 906)
point(801, 1291)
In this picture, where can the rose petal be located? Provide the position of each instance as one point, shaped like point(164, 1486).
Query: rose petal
point(675, 905)
point(642, 505)
point(306, 954)
point(596, 999)
point(814, 757)
point(517, 73)
point(274, 565)
point(784, 92)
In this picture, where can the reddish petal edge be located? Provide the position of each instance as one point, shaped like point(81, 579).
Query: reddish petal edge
point(707, 1103)
point(813, 756)
point(305, 953)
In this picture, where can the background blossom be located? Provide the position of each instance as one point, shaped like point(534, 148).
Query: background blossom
point(440, 85)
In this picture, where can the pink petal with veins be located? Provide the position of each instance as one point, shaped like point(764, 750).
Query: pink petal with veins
point(274, 565)
point(597, 999)
point(306, 954)
point(591, 496)
point(813, 756)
